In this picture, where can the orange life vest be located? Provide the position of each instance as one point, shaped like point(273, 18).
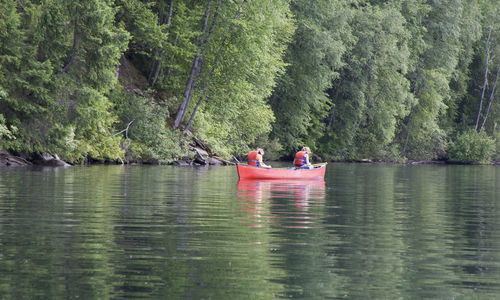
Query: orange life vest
point(300, 158)
point(253, 158)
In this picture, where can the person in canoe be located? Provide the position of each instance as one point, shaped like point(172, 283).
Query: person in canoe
point(301, 160)
point(254, 158)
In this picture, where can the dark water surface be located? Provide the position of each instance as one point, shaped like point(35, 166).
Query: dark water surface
point(366, 232)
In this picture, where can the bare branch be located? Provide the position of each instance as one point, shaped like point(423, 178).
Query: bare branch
point(125, 130)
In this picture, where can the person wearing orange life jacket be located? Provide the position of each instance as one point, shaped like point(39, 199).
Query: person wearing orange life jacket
point(254, 158)
point(302, 159)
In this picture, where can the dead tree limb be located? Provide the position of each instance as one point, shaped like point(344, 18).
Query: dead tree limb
point(125, 130)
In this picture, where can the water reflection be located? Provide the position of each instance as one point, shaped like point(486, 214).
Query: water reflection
point(286, 203)
point(368, 232)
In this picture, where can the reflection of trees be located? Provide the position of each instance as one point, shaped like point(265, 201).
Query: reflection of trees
point(428, 241)
point(476, 219)
point(377, 232)
point(396, 242)
point(399, 238)
point(369, 253)
point(58, 238)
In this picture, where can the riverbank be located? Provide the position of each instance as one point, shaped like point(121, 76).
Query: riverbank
point(200, 157)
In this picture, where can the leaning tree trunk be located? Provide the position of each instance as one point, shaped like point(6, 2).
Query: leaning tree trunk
point(485, 82)
point(492, 96)
point(73, 51)
point(188, 92)
point(212, 71)
point(195, 71)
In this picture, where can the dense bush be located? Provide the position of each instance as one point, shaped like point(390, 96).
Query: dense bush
point(472, 147)
point(147, 137)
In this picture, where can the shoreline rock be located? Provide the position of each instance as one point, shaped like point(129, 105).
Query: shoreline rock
point(9, 160)
point(202, 158)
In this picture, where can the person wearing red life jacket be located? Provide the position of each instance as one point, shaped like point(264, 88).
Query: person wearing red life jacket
point(302, 159)
point(254, 158)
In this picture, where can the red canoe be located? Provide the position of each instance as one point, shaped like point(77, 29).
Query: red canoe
point(251, 172)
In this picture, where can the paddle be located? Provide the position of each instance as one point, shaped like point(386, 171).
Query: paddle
point(314, 165)
point(320, 164)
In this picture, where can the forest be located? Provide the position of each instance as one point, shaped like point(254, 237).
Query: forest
point(136, 80)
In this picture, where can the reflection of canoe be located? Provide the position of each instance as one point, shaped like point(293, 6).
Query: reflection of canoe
point(278, 184)
point(267, 200)
point(251, 172)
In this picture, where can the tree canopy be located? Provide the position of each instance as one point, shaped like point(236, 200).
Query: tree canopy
point(384, 80)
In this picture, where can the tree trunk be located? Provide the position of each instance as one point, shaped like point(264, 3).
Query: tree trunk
point(152, 69)
point(219, 52)
point(170, 13)
point(73, 52)
point(485, 83)
point(195, 71)
point(196, 108)
point(408, 123)
point(156, 63)
point(492, 96)
point(157, 72)
point(188, 91)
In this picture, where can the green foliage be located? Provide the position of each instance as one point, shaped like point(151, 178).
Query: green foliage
point(60, 57)
point(424, 137)
point(242, 60)
point(472, 147)
point(143, 25)
point(438, 77)
point(470, 34)
point(5, 133)
point(179, 48)
point(235, 134)
point(146, 137)
point(90, 133)
point(99, 44)
point(86, 122)
point(273, 149)
point(363, 79)
point(10, 39)
point(27, 103)
point(470, 108)
point(371, 96)
point(313, 58)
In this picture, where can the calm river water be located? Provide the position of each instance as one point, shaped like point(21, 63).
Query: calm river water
point(162, 232)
